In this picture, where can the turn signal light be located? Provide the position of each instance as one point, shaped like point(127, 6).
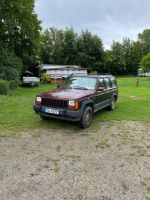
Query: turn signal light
point(37, 103)
point(73, 105)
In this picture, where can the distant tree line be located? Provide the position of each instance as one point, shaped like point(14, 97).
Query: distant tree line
point(23, 45)
point(66, 47)
point(86, 49)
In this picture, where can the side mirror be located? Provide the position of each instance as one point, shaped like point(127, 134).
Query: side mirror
point(100, 89)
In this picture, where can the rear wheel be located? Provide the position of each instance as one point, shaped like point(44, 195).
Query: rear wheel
point(87, 117)
point(113, 104)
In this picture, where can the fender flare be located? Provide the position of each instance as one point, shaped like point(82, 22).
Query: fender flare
point(85, 103)
point(114, 95)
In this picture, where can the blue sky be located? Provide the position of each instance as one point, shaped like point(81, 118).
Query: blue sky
point(110, 19)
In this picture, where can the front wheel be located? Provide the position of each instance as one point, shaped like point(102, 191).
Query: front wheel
point(87, 117)
point(44, 117)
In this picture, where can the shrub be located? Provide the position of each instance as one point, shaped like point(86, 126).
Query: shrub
point(4, 87)
point(145, 63)
point(45, 78)
point(10, 67)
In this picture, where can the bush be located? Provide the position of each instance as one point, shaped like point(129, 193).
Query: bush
point(145, 63)
point(4, 87)
point(45, 78)
point(10, 67)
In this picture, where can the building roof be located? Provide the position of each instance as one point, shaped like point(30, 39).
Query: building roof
point(98, 76)
point(59, 67)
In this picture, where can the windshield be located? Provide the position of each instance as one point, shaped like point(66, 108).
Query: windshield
point(84, 83)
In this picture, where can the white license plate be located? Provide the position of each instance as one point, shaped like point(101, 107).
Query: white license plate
point(51, 111)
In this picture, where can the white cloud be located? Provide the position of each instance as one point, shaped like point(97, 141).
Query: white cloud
point(110, 19)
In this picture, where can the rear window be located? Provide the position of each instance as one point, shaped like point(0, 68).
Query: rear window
point(113, 82)
point(107, 83)
point(101, 82)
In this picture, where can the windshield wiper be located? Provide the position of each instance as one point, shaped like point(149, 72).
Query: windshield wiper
point(80, 87)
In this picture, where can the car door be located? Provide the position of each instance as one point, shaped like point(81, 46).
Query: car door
point(101, 95)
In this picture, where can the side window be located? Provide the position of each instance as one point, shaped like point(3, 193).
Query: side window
point(113, 82)
point(101, 82)
point(107, 83)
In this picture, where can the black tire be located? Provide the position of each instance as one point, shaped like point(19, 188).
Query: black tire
point(32, 84)
point(113, 104)
point(87, 117)
point(44, 117)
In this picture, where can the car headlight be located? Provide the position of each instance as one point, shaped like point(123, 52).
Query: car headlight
point(38, 99)
point(71, 103)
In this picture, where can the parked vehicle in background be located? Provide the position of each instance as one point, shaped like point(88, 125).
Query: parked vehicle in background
point(29, 79)
point(141, 73)
point(78, 99)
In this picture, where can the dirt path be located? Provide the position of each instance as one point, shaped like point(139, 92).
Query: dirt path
point(109, 161)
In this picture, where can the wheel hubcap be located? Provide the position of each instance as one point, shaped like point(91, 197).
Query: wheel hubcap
point(87, 117)
point(113, 104)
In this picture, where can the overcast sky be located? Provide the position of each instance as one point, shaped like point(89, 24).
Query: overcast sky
point(110, 19)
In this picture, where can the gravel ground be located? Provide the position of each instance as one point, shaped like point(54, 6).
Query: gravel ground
point(109, 161)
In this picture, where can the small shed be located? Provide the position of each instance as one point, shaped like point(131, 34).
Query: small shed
point(61, 71)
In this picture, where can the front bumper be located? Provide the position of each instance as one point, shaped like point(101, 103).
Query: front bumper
point(64, 114)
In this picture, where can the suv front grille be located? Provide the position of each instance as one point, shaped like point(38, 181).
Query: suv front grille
point(54, 103)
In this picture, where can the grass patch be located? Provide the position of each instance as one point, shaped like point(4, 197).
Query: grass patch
point(133, 102)
point(16, 110)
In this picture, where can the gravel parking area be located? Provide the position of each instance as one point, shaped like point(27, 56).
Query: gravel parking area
point(109, 161)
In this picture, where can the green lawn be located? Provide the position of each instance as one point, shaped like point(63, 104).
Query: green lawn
point(133, 102)
point(16, 110)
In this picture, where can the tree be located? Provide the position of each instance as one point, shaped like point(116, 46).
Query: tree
point(132, 55)
point(58, 46)
point(51, 48)
point(90, 51)
point(145, 63)
point(69, 46)
point(20, 29)
point(144, 40)
point(114, 59)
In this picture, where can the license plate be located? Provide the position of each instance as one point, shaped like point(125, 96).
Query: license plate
point(50, 111)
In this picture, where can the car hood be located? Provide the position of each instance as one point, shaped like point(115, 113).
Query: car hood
point(67, 94)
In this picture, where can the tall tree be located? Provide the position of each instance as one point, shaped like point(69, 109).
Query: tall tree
point(117, 58)
point(52, 48)
point(20, 29)
point(90, 51)
point(59, 47)
point(144, 40)
point(70, 43)
point(132, 55)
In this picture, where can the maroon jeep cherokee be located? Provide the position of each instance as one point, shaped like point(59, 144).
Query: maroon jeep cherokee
point(78, 98)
